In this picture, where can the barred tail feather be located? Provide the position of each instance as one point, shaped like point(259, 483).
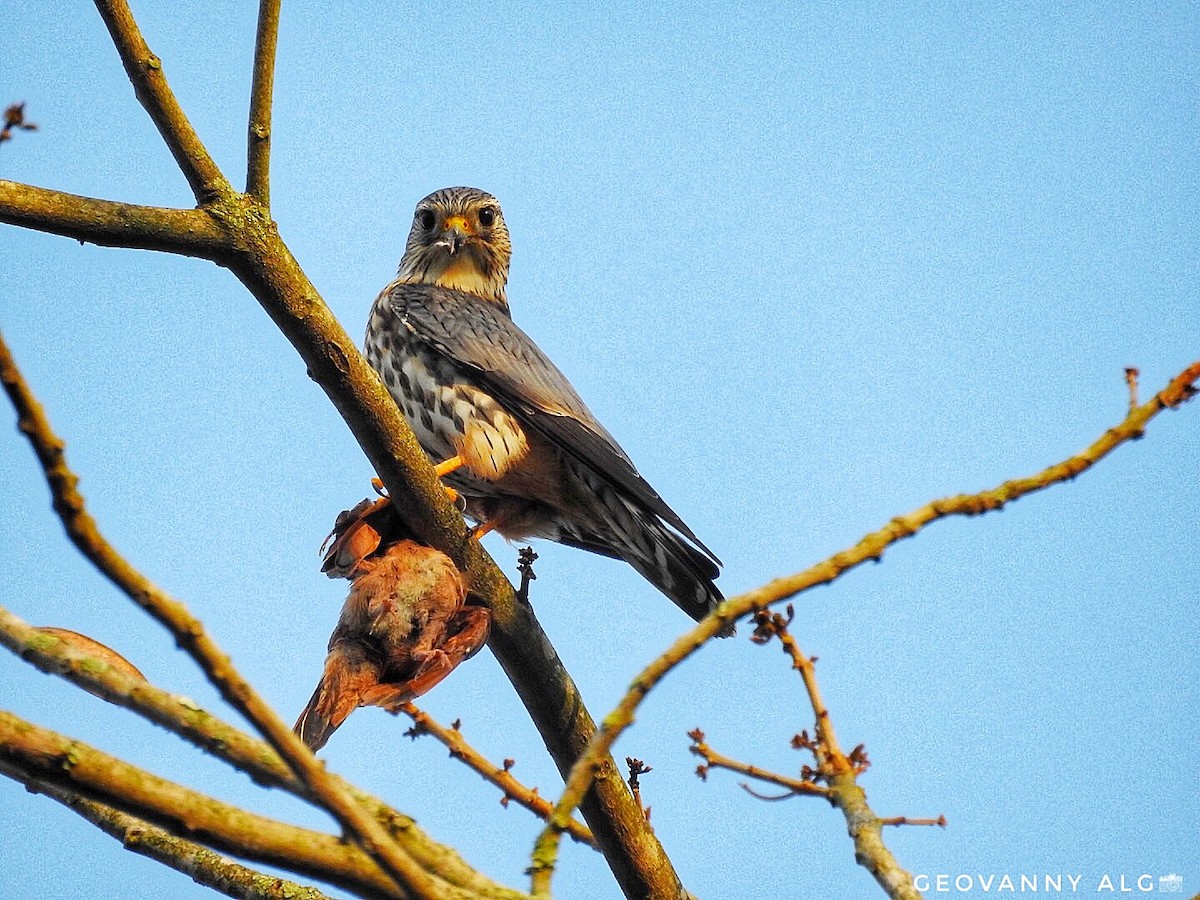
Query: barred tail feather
point(682, 572)
point(679, 570)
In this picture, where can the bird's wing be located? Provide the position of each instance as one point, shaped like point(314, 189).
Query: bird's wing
point(476, 334)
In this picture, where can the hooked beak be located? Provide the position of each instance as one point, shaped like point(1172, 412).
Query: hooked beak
point(455, 231)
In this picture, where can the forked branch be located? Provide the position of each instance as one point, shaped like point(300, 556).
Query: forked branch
point(838, 771)
point(34, 755)
point(237, 233)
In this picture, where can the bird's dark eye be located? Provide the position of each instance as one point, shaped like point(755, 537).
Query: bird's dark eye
point(487, 216)
point(426, 219)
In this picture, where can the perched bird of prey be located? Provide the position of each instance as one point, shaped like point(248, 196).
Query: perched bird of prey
point(404, 626)
point(504, 426)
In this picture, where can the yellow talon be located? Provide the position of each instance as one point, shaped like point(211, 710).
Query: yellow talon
point(452, 464)
point(481, 529)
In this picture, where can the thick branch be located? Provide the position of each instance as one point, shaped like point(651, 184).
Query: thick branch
point(866, 830)
point(266, 266)
point(194, 860)
point(29, 753)
point(871, 548)
point(258, 140)
point(182, 717)
point(150, 86)
point(188, 232)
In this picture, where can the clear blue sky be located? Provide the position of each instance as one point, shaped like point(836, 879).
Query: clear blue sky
point(812, 266)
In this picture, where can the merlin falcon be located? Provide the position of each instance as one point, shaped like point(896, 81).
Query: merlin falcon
point(502, 424)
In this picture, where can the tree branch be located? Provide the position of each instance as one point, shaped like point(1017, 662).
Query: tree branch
point(30, 753)
point(194, 860)
point(838, 771)
point(870, 548)
point(258, 140)
point(264, 264)
point(189, 633)
point(452, 739)
point(187, 232)
point(181, 716)
point(150, 86)
point(866, 830)
point(714, 760)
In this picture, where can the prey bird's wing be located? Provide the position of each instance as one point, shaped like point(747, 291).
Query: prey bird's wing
point(480, 337)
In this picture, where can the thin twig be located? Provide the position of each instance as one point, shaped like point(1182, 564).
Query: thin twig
point(870, 548)
point(150, 86)
point(1131, 379)
point(830, 758)
point(637, 768)
point(501, 777)
point(939, 822)
point(525, 560)
point(258, 141)
point(715, 760)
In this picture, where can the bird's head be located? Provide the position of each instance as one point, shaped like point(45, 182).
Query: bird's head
point(459, 240)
